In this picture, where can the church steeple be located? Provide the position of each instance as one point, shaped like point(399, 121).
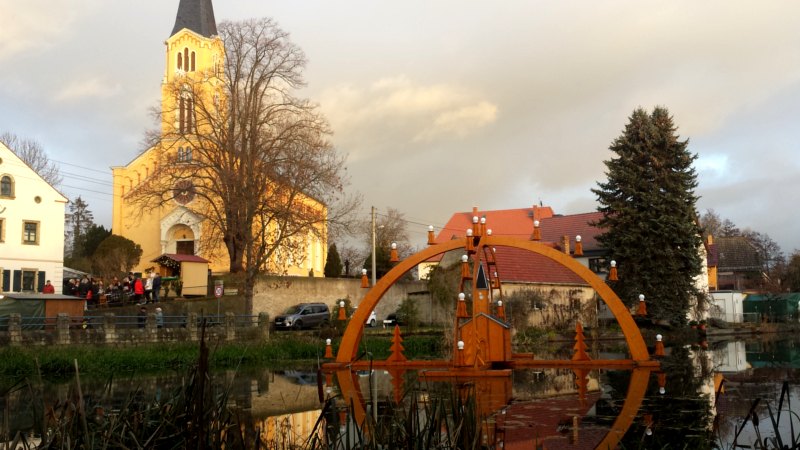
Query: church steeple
point(196, 15)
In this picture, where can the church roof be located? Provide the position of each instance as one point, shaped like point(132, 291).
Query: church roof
point(196, 15)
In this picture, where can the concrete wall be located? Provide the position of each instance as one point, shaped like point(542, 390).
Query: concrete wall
point(110, 331)
point(274, 294)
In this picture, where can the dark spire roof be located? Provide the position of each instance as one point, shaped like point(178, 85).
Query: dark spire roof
point(196, 15)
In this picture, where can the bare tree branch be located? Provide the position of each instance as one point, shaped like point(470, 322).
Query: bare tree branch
point(34, 155)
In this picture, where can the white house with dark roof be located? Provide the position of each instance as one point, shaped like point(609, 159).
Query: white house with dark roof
point(31, 228)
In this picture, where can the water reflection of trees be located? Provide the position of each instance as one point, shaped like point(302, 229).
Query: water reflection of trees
point(682, 416)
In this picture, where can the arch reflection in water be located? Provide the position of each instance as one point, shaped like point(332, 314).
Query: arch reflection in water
point(507, 414)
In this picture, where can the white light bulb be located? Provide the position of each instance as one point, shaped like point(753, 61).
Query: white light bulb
point(469, 232)
point(641, 297)
point(489, 231)
point(499, 303)
point(430, 228)
point(328, 389)
point(536, 223)
point(475, 219)
point(341, 304)
point(658, 337)
point(578, 238)
point(461, 345)
point(328, 341)
point(649, 432)
point(661, 390)
point(394, 246)
point(483, 220)
point(464, 258)
point(613, 264)
point(461, 297)
point(363, 271)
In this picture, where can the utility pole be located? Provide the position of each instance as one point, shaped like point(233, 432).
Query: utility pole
point(373, 247)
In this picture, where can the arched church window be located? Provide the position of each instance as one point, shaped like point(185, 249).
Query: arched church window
point(189, 115)
point(180, 61)
point(186, 59)
point(6, 186)
point(193, 61)
point(185, 110)
point(180, 154)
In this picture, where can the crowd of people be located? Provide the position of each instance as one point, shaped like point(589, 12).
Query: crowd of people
point(132, 288)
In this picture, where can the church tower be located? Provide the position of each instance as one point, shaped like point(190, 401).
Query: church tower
point(194, 51)
point(193, 97)
point(194, 67)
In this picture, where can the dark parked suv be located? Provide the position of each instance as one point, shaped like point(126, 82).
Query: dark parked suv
point(304, 315)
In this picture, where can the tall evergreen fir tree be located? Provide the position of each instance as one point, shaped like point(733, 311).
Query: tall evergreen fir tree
point(77, 224)
point(333, 263)
point(649, 219)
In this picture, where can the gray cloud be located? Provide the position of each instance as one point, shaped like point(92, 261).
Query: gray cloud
point(443, 105)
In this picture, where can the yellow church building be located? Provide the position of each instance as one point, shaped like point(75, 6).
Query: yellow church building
point(193, 50)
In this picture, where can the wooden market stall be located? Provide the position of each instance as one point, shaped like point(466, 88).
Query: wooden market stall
point(40, 305)
point(191, 269)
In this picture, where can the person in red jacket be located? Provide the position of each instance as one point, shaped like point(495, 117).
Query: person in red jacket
point(138, 289)
point(49, 288)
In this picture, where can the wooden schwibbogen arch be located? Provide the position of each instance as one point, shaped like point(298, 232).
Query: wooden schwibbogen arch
point(480, 245)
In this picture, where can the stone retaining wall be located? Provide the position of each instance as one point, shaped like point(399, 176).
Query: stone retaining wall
point(108, 334)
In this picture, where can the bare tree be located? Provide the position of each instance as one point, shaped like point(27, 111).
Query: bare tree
point(33, 154)
point(352, 258)
point(717, 226)
point(390, 228)
point(262, 174)
point(770, 254)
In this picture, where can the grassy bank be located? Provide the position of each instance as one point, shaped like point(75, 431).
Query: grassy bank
point(57, 362)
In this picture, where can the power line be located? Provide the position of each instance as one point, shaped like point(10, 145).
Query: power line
point(82, 167)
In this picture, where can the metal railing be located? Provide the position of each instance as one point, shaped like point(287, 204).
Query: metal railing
point(95, 321)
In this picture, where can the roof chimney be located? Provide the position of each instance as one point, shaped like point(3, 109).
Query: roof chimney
point(565, 244)
point(474, 211)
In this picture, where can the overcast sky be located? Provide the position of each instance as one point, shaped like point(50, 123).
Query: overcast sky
point(443, 105)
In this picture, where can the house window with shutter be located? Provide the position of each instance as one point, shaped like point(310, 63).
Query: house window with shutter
point(29, 279)
point(2, 230)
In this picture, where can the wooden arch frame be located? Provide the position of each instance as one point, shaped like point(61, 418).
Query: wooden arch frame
point(348, 348)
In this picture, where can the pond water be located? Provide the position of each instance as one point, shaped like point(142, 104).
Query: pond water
point(699, 396)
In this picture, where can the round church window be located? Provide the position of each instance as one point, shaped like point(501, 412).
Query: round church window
point(183, 192)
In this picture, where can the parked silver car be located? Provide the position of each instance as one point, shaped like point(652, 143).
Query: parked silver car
point(303, 315)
